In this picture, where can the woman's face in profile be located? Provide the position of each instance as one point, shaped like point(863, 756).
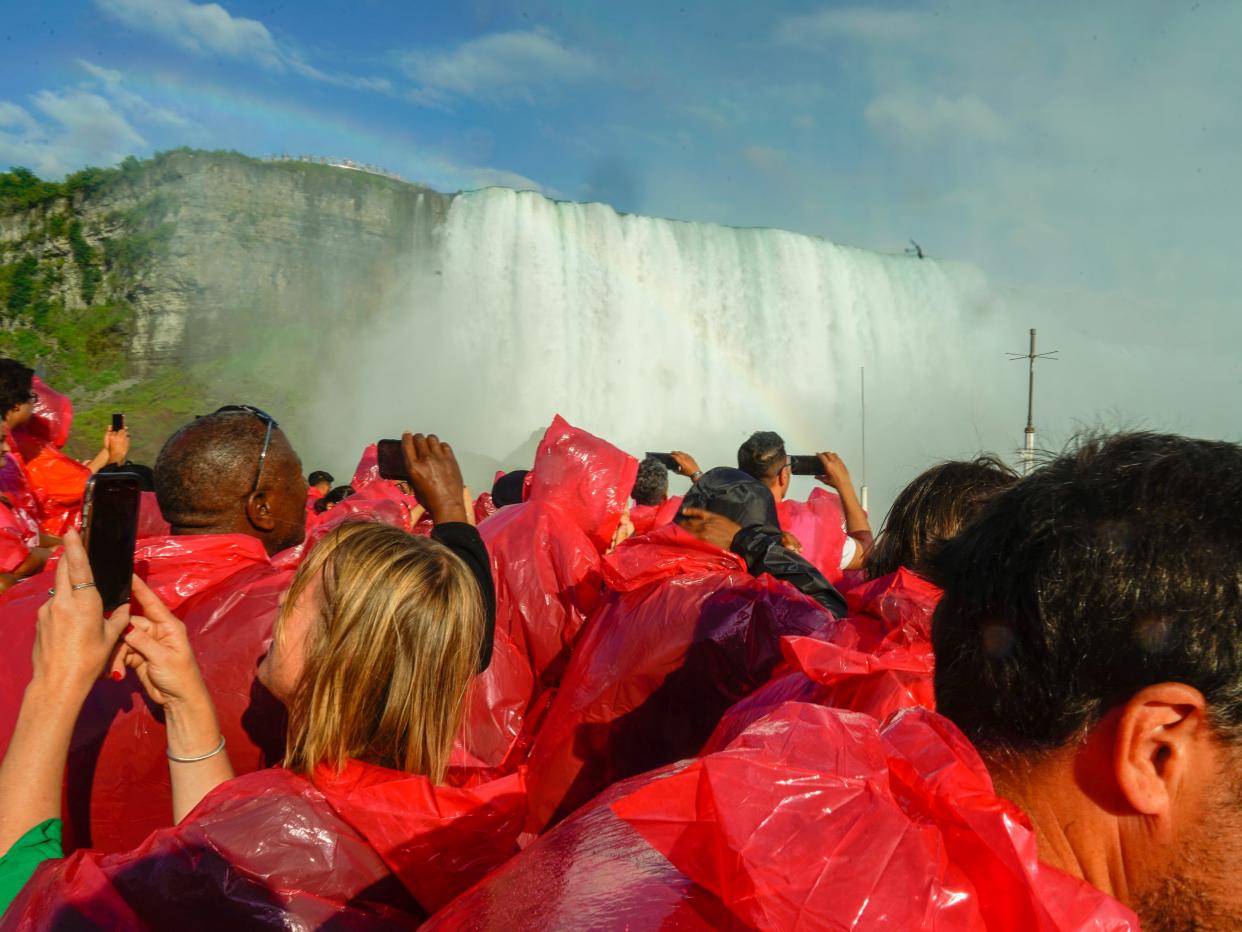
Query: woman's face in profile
point(281, 669)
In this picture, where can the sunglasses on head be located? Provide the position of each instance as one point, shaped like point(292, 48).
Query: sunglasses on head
point(267, 437)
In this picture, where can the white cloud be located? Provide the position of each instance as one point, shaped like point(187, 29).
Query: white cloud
point(205, 28)
point(137, 107)
point(209, 29)
point(502, 65)
point(924, 118)
point(79, 128)
point(14, 116)
point(851, 24)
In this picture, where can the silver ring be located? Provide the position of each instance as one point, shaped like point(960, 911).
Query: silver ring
point(75, 587)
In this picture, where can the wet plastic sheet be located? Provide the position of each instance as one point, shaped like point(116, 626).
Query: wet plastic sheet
point(495, 710)
point(227, 593)
point(369, 485)
point(686, 632)
point(14, 544)
point(151, 521)
point(51, 419)
point(58, 483)
point(593, 871)
point(876, 661)
point(55, 481)
point(819, 525)
point(820, 818)
point(647, 518)
point(547, 551)
point(369, 848)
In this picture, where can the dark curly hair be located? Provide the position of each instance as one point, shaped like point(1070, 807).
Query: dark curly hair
point(1116, 566)
point(16, 382)
point(651, 484)
point(933, 508)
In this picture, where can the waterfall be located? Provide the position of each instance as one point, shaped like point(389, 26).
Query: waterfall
point(661, 334)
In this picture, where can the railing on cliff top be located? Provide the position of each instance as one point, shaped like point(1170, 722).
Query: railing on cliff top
point(337, 163)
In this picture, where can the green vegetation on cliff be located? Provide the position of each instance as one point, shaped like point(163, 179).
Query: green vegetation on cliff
point(167, 286)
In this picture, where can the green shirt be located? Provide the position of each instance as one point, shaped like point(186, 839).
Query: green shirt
point(39, 844)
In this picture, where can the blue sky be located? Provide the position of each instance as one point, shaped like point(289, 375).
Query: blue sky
point(1081, 148)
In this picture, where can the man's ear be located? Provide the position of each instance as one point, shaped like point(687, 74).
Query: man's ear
point(259, 511)
point(1161, 735)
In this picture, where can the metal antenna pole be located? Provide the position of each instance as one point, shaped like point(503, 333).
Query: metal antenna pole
point(862, 401)
point(1028, 444)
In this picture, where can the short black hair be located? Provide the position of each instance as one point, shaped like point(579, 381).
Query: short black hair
point(1116, 566)
point(335, 497)
point(932, 509)
point(763, 455)
point(206, 466)
point(507, 489)
point(16, 383)
point(651, 484)
point(319, 476)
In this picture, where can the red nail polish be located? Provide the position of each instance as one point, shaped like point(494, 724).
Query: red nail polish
point(128, 629)
point(118, 675)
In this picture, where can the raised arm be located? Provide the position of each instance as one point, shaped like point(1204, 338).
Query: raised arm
point(73, 643)
point(159, 652)
point(857, 525)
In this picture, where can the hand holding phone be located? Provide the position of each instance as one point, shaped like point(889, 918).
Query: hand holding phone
point(806, 466)
point(110, 532)
point(391, 461)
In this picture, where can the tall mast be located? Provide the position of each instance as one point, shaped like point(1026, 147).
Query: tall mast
point(862, 402)
point(1028, 443)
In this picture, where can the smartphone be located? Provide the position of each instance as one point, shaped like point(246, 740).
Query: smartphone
point(667, 459)
point(109, 531)
point(392, 461)
point(805, 466)
point(118, 422)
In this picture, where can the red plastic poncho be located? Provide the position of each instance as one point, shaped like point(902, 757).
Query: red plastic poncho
point(877, 661)
point(686, 632)
point(819, 525)
point(226, 591)
point(151, 521)
point(547, 551)
point(484, 507)
point(593, 871)
point(59, 485)
point(647, 518)
point(15, 538)
point(821, 818)
point(369, 848)
point(495, 712)
point(15, 486)
point(369, 486)
point(56, 481)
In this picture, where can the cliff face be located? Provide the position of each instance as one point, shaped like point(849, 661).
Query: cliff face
point(191, 278)
point(237, 243)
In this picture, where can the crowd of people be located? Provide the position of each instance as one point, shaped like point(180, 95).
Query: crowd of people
point(576, 701)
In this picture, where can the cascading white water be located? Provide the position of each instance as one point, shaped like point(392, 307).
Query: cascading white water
point(661, 334)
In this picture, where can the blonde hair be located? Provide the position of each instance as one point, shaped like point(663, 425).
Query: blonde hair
point(390, 658)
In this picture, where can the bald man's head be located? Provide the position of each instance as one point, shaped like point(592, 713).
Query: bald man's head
point(205, 481)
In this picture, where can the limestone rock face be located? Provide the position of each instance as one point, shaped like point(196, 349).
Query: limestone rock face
point(228, 245)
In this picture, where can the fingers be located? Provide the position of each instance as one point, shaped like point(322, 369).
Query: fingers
point(113, 626)
point(146, 645)
point(695, 513)
point(152, 607)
